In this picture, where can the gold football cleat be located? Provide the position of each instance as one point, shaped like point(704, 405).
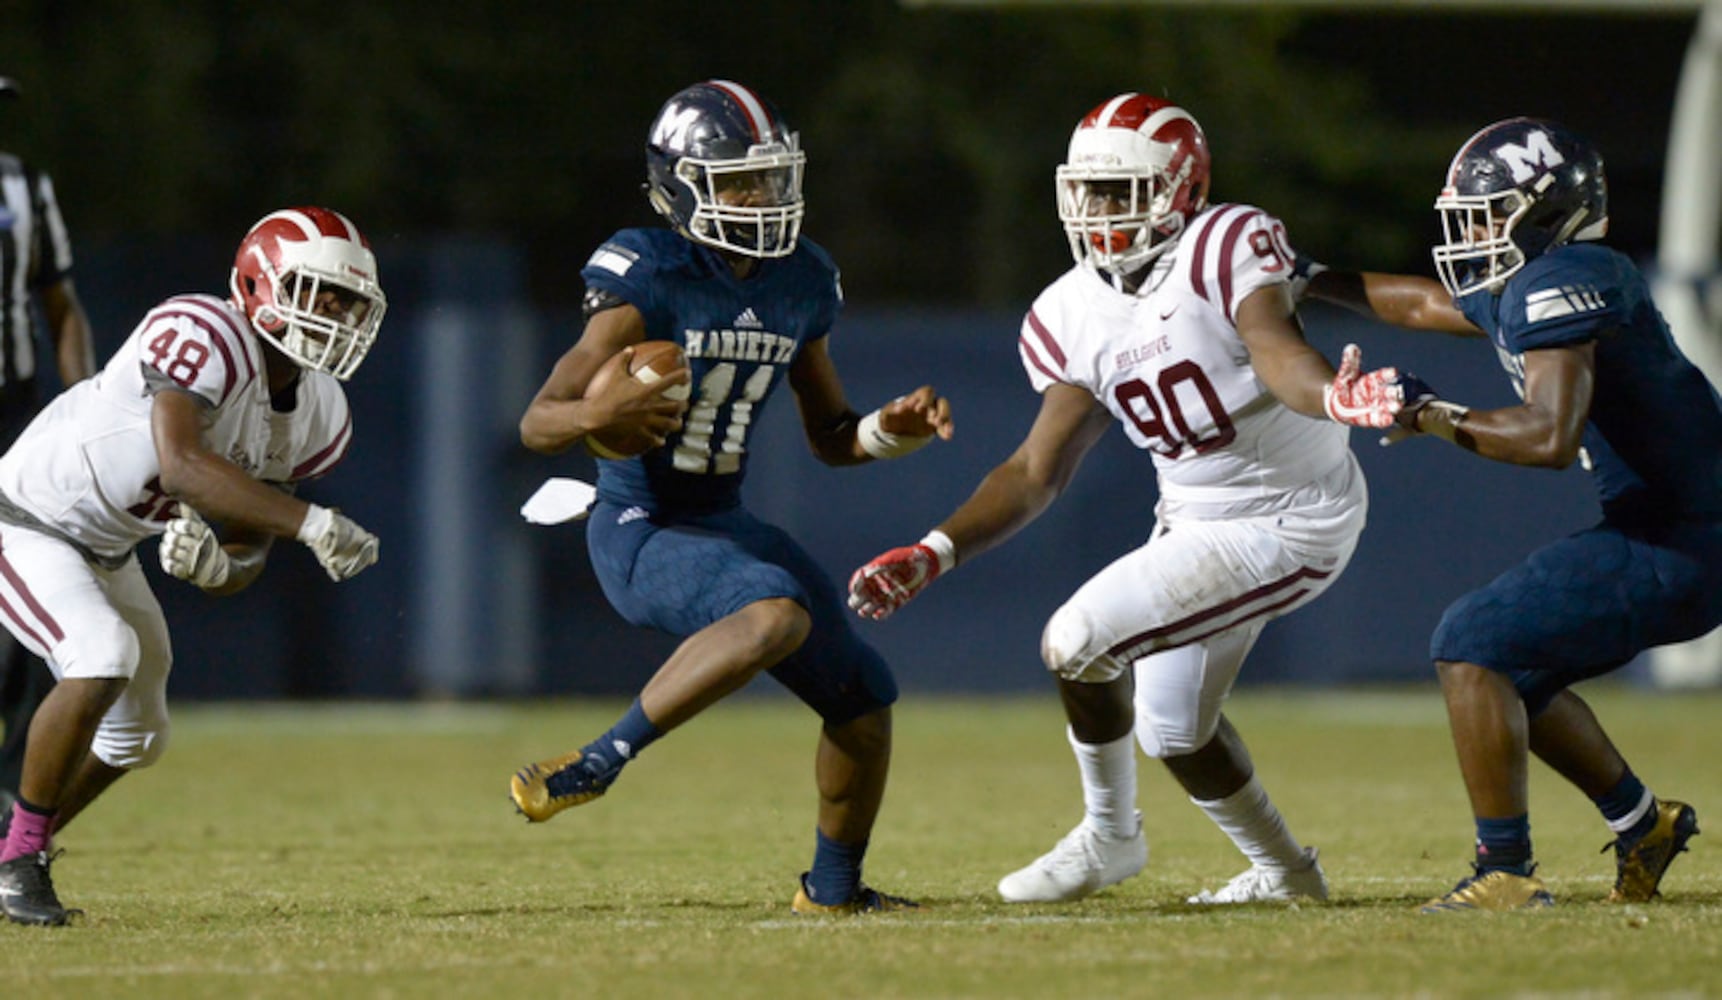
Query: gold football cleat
point(544, 789)
point(865, 900)
point(1639, 867)
point(1496, 890)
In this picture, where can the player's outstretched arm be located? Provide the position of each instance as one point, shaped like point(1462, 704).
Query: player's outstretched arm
point(1546, 430)
point(1405, 300)
point(1011, 496)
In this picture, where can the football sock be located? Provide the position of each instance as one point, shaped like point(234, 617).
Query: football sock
point(31, 829)
point(1256, 827)
point(836, 873)
point(1628, 807)
point(1108, 784)
point(630, 735)
point(1504, 845)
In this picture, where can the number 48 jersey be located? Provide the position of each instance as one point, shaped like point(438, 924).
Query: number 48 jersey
point(1170, 366)
point(86, 468)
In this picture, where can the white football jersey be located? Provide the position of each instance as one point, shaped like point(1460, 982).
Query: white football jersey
point(1168, 363)
point(86, 467)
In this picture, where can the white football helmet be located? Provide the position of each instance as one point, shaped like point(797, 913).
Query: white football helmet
point(289, 261)
point(1136, 173)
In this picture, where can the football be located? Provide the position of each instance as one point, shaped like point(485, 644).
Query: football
point(652, 360)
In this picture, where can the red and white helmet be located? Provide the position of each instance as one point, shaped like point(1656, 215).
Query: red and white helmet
point(1136, 173)
point(295, 259)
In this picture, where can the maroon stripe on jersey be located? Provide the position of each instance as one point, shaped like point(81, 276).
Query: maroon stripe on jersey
point(328, 458)
point(1198, 254)
point(1045, 337)
point(1228, 244)
point(42, 616)
point(1208, 614)
point(220, 333)
point(225, 322)
point(1033, 357)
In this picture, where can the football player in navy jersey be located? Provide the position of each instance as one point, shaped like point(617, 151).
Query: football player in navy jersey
point(751, 304)
point(1602, 382)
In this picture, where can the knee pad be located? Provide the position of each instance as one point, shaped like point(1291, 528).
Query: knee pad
point(132, 746)
point(1173, 717)
point(104, 648)
point(1160, 740)
point(1070, 648)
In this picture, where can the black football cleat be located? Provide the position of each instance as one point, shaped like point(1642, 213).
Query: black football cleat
point(27, 892)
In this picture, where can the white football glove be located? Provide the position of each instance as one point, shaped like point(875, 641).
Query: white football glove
point(190, 551)
point(342, 547)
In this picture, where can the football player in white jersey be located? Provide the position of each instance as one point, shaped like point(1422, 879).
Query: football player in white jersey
point(1177, 321)
point(211, 408)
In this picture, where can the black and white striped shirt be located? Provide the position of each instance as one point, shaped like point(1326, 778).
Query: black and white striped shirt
point(35, 252)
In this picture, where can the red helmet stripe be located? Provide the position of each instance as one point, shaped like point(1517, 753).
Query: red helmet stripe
point(314, 221)
point(758, 118)
point(1111, 114)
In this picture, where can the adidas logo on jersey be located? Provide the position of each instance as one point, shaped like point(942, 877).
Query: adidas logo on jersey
point(748, 321)
point(632, 514)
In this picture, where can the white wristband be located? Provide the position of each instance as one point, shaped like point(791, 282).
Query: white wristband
point(317, 521)
point(881, 443)
point(942, 547)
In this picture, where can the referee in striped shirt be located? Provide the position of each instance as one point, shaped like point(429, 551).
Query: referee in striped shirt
point(35, 273)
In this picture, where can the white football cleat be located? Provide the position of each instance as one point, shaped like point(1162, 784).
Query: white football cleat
point(1271, 885)
point(1081, 864)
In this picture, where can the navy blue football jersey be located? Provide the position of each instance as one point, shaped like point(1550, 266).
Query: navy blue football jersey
point(740, 337)
point(1654, 438)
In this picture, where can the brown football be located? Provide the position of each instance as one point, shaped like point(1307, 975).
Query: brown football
point(652, 360)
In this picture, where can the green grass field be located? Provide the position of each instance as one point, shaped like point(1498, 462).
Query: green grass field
point(372, 851)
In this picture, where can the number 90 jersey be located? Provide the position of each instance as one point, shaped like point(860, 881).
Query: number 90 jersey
point(740, 337)
point(86, 467)
point(1170, 366)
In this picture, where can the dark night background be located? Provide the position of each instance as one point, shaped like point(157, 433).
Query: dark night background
point(487, 148)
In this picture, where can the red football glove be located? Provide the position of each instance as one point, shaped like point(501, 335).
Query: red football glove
point(1362, 400)
point(891, 579)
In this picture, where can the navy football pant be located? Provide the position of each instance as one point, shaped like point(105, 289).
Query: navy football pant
point(1586, 605)
point(680, 574)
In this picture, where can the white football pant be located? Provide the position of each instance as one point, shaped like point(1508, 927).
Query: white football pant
point(1185, 608)
point(88, 622)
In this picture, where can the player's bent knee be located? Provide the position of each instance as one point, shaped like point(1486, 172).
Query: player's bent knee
point(131, 748)
point(109, 649)
point(1070, 648)
point(779, 626)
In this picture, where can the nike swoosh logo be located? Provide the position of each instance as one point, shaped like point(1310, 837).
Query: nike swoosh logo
point(1168, 313)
